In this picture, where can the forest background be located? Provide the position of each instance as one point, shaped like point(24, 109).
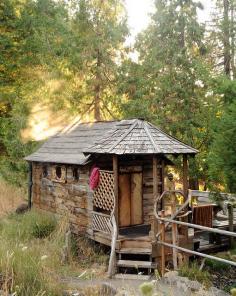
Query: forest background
point(67, 60)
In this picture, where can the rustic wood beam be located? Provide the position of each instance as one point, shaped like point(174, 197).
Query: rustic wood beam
point(185, 175)
point(116, 186)
point(154, 225)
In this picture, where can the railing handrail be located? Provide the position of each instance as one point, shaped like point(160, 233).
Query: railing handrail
point(185, 204)
point(197, 253)
point(172, 220)
point(112, 258)
point(215, 230)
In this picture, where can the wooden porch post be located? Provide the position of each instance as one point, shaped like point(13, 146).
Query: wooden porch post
point(185, 175)
point(155, 194)
point(116, 186)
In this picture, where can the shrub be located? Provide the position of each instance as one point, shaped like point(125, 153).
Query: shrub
point(233, 291)
point(43, 228)
point(146, 289)
point(33, 224)
point(193, 273)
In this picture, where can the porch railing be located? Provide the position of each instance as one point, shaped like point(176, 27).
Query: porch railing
point(101, 222)
point(163, 222)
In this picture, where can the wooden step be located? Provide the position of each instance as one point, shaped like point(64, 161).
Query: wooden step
point(134, 243)
point(132, 276)
point(136, 264)
point(142, 251)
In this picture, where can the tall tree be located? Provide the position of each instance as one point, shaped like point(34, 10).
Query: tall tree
point(223, 34)
point(100, 30)
point(172, 85)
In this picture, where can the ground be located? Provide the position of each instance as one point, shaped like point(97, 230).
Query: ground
point(34, 260)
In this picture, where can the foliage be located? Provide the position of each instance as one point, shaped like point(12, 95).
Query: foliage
point(194, 273)
point(71, 57)
point(233, 290)
point(222, 157)
point(33, 266)
point(146, 289)
point(217, 265)
point(171, 85)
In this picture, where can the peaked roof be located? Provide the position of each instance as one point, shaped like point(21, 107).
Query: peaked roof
point(138, 137)
point(134, 136)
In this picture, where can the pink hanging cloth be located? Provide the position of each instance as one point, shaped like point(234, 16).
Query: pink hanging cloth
point(94, 178)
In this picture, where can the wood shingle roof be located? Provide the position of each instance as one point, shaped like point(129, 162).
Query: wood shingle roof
point(138, 137)
point(133, 136)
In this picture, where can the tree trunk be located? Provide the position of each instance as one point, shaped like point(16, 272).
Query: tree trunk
point(97, 89)
point(226, 38)
point(182, 28)
point(232, 36)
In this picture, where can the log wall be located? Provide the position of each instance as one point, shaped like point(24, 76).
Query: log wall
point(72, 198)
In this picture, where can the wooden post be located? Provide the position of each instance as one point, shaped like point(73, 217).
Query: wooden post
point(116, 187)
point(163, 260)
point(154, 225)
point(231, 223)
point(174, 238)
point(184, 230)
point(185, 175)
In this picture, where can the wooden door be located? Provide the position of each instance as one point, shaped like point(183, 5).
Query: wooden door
point(124, 200)
point(130, 199)
point(136, 204)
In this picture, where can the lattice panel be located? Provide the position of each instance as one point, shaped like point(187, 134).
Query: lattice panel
point(102, 222)
point(103, 196)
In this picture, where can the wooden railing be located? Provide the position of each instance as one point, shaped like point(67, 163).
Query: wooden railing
point(101, 222)
point(163, 222)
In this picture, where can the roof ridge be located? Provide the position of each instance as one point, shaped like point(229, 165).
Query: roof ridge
point(124, 135)
point(150, 136)
point(171, 137)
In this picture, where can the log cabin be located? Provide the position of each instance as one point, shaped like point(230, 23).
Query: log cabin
point(132, 156)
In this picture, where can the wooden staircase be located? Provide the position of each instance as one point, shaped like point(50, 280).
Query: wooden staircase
point(134, 257)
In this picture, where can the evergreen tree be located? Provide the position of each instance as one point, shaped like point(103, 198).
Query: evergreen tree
point(99, 32)
point(172, 85)
point(222, 157)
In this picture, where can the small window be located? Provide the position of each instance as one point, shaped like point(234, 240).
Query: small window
point(76, 174)
point(58, 172)
point(45, 171)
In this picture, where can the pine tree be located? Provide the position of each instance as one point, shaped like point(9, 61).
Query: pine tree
point(99, 32)
point(223, 35)
point(173, 87)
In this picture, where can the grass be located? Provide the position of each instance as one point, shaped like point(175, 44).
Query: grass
point(31, 255)
point(193, 273)
point(10, 197)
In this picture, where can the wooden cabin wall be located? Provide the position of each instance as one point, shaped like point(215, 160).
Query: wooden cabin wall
point(70, 197)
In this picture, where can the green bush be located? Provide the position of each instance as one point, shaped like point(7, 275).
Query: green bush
point(43, 228)
point(231, 289)
point(193, 273)
point(33, 224)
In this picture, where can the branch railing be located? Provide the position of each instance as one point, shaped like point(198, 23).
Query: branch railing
point(164, 222)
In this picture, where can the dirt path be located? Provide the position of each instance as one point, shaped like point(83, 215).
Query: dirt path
point(127, 287)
